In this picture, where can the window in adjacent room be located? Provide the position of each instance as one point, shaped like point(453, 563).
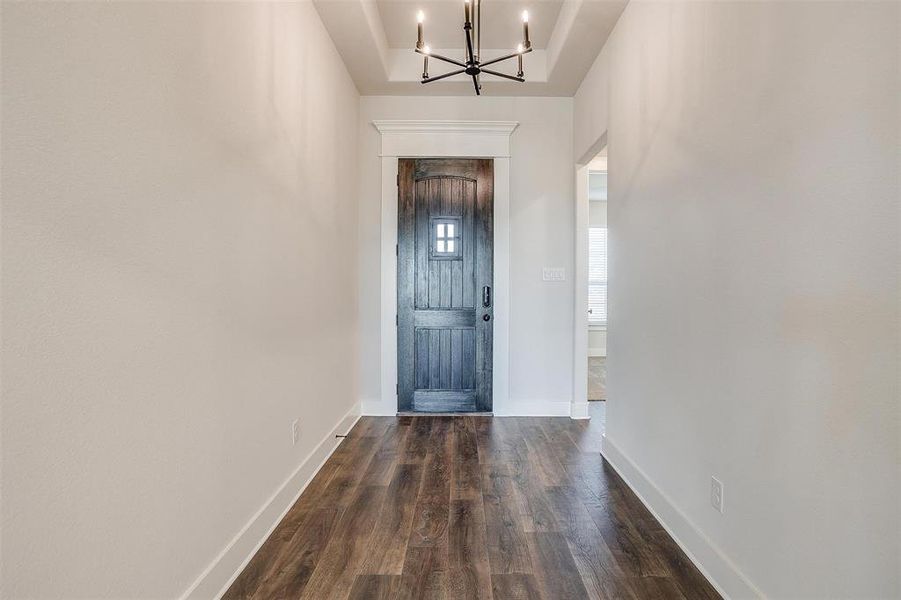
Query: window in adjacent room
point(597, 275)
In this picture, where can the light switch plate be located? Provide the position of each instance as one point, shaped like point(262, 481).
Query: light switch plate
point(553, 274)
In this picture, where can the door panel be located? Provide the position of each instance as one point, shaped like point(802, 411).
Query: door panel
point(445, 260)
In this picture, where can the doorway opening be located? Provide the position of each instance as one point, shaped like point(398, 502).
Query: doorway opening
point(590, 285)
point(597, 278)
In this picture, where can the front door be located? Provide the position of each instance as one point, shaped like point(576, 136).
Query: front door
point(444, 284)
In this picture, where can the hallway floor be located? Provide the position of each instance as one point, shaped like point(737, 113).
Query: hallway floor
point(597, 378)
point(470, 507)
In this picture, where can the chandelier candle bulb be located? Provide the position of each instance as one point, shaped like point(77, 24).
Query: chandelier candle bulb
point(472, 65)
point(419, 19)
point(525, 29)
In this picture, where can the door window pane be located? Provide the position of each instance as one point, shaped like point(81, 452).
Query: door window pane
point(446, 237)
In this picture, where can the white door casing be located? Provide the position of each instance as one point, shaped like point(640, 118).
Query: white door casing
point(458, 139)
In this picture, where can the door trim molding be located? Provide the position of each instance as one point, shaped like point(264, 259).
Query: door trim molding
point(437, 139)
point(581, 351)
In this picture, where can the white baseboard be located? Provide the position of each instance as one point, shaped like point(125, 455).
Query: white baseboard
point(226, 567)
point(534, 408)
point(579, 410)
point(722, 573)
point(377, 408)
point(510, 408)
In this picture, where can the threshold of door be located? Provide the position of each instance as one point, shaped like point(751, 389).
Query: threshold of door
point(410, 413)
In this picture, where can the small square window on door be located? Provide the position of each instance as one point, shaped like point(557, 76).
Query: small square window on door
point(445, 238)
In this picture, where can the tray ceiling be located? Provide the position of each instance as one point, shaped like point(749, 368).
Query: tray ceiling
point(375, 39)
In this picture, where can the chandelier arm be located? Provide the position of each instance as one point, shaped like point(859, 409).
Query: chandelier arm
point(444, 75)
point(444, 58)
point(503, 58)
point(504, 75)
point(475, 82)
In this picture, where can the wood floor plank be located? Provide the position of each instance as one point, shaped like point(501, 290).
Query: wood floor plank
point(436, 477)
point(290, 572)
point(334, 574)
point(381, 587)
point(256, 571)
point(531, 500)
point(355, 456)
point(556, 430)
point(631, 552)
point(466, 483)
point(683, 573)
point(375, 427)
point(615, 519)
point(515, 586)
point(597, 566)
point(388, 544)
point(466, 446)
point(508, 550)
point(555, 568)
point(656, 588)
point(468, 567)
point(427, 569)
point(381, 467)
point(444, 507)
point(542, 455)
point(417, 441)
point(431, 518)
point(466, 472)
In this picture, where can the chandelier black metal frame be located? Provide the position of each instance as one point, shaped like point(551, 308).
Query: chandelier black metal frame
point(472, 66)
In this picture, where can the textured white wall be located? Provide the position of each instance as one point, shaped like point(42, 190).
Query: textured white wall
point(541, 226)
point(754, 284)
point(178, 283)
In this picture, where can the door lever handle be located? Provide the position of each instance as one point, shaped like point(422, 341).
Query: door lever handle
point(486, 296)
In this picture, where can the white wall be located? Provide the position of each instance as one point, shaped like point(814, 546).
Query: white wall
point(754, 285)
point(541, 226)
point(178, 284)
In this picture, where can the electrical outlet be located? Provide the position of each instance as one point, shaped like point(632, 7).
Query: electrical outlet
point(717, 499)
point(295, 431)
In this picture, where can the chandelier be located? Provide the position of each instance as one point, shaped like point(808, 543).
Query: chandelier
point(472, 65)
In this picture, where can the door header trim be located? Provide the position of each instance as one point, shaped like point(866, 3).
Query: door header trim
point(469, 139)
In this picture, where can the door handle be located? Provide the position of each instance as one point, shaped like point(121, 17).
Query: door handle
point(486, 296)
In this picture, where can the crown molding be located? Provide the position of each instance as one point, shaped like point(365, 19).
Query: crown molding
point(479, 127)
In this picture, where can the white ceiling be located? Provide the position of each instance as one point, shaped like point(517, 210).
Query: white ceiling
point(501, 22)
point(376, 38)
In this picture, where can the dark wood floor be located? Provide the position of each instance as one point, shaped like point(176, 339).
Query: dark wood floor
point(470, 507)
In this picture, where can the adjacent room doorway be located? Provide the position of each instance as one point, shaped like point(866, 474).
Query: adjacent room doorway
point(597, 277)
point(445, 298)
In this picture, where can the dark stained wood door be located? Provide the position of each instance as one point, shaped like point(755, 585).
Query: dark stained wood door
point(444, 284)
